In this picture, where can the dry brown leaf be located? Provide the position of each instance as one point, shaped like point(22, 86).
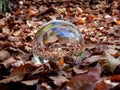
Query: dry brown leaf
point(113, 62)
point(17, 63)
point(93, 39)
point(17, 33)
point(17, 74)
point(2, 22)
point(112, 50)
point(9, 79)
point(91, 17)
point(92, 59)
point(104, 85)
point(85, 81)
point(79, 71)
point(81, 21)
point(79, 9)
point(30, 82)
point(82, 82)
point(6, 30)
point(32, 69)
point(4, 55)
point(96, 70)
point(13, 38)
point(101, 86)
point(107, 61)
point(32, 11)
point(59, 80)
point(38, 70)
point(8, 62)
point(116, 54)
point(115, 78)
point(28, 48)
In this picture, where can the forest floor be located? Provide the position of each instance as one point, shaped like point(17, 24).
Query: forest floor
point(97, 20)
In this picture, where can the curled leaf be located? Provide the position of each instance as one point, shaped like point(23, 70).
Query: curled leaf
point(79, 71)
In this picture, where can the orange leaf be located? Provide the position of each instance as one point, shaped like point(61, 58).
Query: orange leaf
point(68, 14)
point(81, 21)
point(101, 86)
point(91, 17)
point(117, 21)
point(115, 78)
point(116, 54)
point(32, 11)
point(61, 62)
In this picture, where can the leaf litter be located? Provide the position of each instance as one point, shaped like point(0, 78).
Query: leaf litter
point(98, 21)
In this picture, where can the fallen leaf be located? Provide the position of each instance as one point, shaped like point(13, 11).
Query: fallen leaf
point(113, 62)
point(6, 30)
point(112, 50)
point(2, 22)
point(117, 54)
point(117, 21)
point(61, 62)
point(91, 17)
point(59, 80)
point(79, 9)
point(4, 55)
point(31, 68)
point(8, 62)
point(17, 74)
point(81, 21)
point(17, 33)
point(82, 82)
point(32, 11)
point(79, 71)
point(13, 38)
point(30, 82)
point(17, 63)
point(101, 86)
point(92, 59)
point(85, 81)
point(115, 78)
point(38, 70)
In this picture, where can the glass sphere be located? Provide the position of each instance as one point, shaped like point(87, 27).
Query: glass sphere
point(57, 39)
